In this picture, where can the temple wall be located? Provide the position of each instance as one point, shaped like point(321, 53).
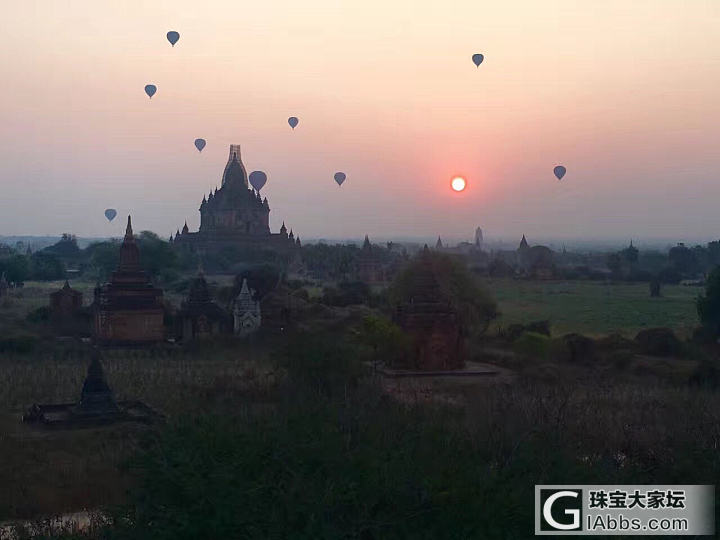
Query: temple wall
point(130, 326)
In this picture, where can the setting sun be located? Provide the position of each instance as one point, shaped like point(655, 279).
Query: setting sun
point(458, 183)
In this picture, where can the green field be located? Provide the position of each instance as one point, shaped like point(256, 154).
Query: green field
point(595, 308)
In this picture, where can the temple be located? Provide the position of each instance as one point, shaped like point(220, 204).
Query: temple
point(128, 310)
point(199, 316)
point(96, 406)
point(433, 325)
point(246, 312)
point(234, 215)
point(369, 265)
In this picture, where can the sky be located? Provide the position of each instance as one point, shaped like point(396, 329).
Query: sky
point(624, 94)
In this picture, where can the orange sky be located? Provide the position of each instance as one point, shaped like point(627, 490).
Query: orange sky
point(624, 94)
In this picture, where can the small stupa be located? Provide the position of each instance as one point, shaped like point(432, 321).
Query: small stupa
point(96, 406)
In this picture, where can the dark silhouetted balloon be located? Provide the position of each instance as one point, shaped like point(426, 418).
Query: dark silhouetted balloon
point(559, 171)
point(258, 179)
point(150, 90)
point(172, 37)
point(200, 144)
point(293, 122)
point(477, 59)
point(110, 214)
point(340, 178)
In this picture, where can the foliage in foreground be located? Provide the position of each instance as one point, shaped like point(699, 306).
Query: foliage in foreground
point(333, 457)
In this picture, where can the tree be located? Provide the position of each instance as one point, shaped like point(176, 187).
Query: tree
point(46, 267)
point(66, 247)
point(614, 263)
point(104, 257)
point(16, 268)
point(453, 284)
point(629, 255)
point(386, 339)
point(708, 306)
point(683, 259)
point(156, 255)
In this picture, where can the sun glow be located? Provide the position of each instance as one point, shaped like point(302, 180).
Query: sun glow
point(458, 183)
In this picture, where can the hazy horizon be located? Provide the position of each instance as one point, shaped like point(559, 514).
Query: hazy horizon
point(622, 94)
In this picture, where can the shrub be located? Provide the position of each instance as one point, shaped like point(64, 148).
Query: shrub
point(347, 293)
point(20, 344)
point(538, 327)
point(514, 331)
point(576, 348)
point(533, 345)
point(386, 340)
point(706, 374)
point(658, 342)
point(39, 315)
point(615, 342)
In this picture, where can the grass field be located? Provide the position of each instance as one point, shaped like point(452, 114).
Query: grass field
point(595, 308)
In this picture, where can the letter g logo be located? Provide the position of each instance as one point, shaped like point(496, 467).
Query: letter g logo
point(574, 513)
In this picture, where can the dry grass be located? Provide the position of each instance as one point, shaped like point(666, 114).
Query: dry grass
point(44, 473)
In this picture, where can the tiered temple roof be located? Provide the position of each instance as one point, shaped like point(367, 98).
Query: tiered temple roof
point(129, 308)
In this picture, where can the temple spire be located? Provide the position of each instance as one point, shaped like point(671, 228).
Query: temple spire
point(96, 397)
point(129, 253)
point(129, 232)
point(523, 243)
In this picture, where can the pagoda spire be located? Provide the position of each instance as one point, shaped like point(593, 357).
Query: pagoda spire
point(129, 231)
point(366, 243)
point(523, 243)
point(96, 397)
point(129, 253)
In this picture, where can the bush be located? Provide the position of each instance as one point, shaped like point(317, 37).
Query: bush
point(514, 331)
point(21, 344)
point(706, 374)
point(576, 348)
point(615, 342)
point(539, 327)
point(347, 293)
point(533, 345)
point(658, 342)
point(388, 343)
point(39, 315)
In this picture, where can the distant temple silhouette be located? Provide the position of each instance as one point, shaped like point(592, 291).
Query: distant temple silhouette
point(235, 215)
point(128, 310)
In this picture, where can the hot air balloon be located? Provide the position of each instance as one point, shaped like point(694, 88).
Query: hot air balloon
point(340, 178)
point(150, 90)
point(110, 214)
point(172, 37)
point(257, 179)
point(477, 59)
point(200, 144)
point(559, 171)
point(293, 122)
